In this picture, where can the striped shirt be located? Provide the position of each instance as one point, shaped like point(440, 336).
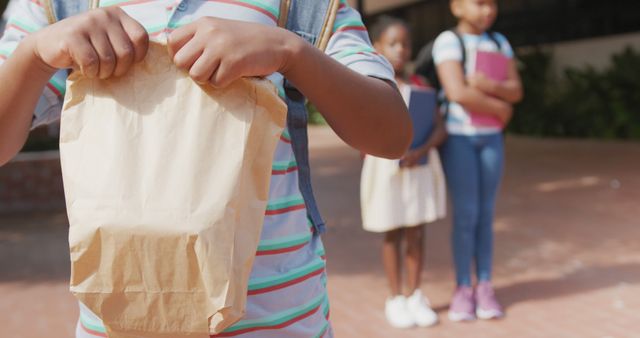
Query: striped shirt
point(287, 294)
point(446, 48)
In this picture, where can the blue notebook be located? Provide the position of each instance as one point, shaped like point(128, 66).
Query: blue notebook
point(422, 108)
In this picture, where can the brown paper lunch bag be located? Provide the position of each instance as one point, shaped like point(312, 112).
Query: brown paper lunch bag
point(166, 184)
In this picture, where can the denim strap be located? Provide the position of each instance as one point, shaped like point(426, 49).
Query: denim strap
point(308, 19)
point(60, 9)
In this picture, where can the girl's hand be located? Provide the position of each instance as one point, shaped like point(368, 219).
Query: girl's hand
point(482, 82)
point(412, 157)
point(509, 90)
point(103, 42)
point(219, 51)
point(505, 113)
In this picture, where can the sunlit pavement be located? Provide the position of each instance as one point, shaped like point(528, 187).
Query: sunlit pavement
point(567, 250)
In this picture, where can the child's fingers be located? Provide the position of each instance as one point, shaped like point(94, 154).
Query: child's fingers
point(123, 49)
point(187, 55)
point(180, 37)
point(84, 56)
point(223, 76)
point(138, 36)
point(204, 67)
point(107, 56)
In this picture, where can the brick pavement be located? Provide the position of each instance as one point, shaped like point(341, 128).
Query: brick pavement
point(567, 248)
point(567, 255)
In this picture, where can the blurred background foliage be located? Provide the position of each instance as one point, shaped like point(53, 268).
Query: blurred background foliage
point(579, 102)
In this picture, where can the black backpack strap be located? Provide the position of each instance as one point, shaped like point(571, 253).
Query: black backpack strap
point(424, 59)
point(463, 50)
point(494, 38)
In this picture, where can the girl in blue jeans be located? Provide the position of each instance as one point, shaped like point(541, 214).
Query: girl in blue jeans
point(473, 155)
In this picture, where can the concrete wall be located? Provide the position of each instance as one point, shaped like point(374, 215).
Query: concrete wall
point(594, 52)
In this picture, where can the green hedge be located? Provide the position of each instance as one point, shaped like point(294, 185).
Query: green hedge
point(581, 102)
point(314, 115)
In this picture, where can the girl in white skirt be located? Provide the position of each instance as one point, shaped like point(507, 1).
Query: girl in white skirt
point(399, 197)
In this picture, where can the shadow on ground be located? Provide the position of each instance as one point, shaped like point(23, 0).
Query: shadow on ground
point(34, 247)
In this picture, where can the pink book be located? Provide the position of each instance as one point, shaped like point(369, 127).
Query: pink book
point(495, 66)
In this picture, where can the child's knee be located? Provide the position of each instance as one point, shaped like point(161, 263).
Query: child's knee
point(466, 217)
point(414, 244)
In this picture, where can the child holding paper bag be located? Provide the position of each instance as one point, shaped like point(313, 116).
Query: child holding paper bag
point(399, 198)
point(214, 44)
point(480, 80)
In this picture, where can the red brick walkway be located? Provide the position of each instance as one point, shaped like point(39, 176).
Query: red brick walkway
point(567, 255)
point(567, 245)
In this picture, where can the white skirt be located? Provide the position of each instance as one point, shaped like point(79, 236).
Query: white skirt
point(392, 197)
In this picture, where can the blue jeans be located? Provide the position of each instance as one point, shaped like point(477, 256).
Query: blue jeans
point(473, 167)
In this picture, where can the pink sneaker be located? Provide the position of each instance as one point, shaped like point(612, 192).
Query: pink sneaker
point(487, 304)
point(462, 306)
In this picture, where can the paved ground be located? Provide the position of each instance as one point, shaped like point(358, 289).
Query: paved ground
point(567, 255)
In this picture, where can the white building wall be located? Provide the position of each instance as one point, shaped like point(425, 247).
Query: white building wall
point(595, 52)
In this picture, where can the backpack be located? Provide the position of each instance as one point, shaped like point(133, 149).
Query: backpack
point(426, 67)
point(313, 21)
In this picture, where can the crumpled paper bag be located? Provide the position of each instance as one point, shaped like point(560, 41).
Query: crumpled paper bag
point(166, 185)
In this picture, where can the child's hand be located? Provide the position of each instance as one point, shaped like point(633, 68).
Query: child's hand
point(488, 86)
point(219, 51)
point(504, 113)
point(482, 82)
point(411, 158)
point(101, 43)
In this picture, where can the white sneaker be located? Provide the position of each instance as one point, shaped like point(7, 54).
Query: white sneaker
point(420, 309)
point(397, 312)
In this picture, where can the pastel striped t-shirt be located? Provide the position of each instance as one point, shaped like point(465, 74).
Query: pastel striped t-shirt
point(447, 48)
point(287, 294)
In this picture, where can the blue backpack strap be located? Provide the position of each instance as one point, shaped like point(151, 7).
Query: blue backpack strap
point(61, 9)
point(313, 21)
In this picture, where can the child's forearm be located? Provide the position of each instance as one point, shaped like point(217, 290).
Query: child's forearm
point(509, 91)
point(459, 90)
point(102, 43)
point(475, 100)
point(18, 100)
point(367, 113)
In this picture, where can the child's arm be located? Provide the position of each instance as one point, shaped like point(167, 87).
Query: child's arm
point(458, 90)
point(18, 101)
point(103, 42)
point(509, 90)
point(437, 137)
point(369, 114)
